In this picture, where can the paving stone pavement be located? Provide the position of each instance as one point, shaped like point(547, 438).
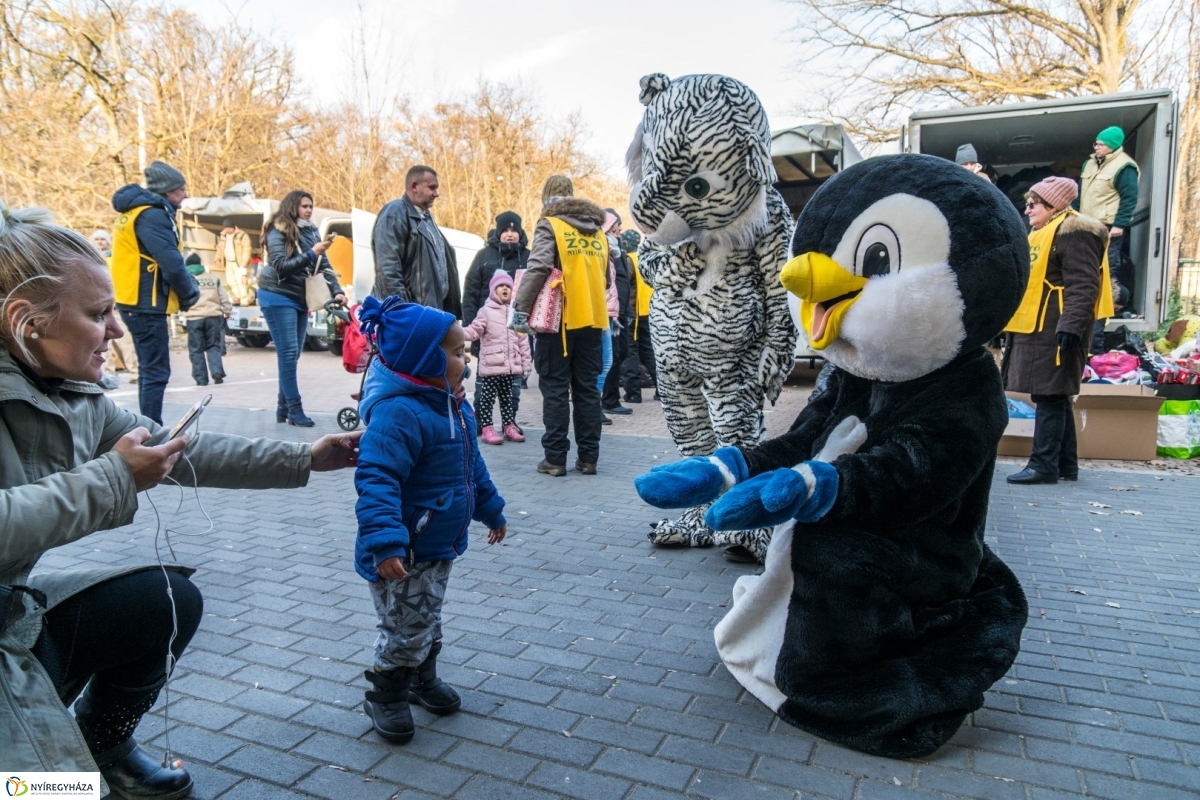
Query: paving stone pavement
point(586, 662)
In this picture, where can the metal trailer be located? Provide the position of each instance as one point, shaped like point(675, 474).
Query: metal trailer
point(1024, 142)
point(805, 157)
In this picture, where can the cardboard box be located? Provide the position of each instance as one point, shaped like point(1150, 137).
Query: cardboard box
point(1111, 421)
point(1117, 422)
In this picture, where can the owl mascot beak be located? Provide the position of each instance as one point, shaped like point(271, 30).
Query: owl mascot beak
point(826, 291)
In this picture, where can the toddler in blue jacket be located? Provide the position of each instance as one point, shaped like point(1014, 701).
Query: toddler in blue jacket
point(420, 482)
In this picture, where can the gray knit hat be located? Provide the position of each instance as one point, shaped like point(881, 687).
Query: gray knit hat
point(966, 154)
point(162, 178)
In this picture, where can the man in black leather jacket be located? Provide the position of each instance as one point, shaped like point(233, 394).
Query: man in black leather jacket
point(412, 257)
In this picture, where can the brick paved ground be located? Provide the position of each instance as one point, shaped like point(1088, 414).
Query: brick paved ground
point(586, 662)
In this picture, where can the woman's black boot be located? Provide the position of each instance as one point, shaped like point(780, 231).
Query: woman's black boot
point(296, 415)
point(431, 691)
point(387, 705)
point(281, 409)
point(107, 716)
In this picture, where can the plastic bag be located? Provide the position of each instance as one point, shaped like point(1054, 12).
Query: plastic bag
point(1179, 429)
point(1020, 410)
point(1114, 364)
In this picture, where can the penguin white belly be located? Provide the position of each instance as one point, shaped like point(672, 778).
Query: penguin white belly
point(750, 636)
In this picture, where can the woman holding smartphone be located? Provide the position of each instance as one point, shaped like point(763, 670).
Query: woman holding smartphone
point(71, 464)
point(295, 252)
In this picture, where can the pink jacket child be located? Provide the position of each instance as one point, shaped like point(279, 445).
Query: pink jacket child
point(504, 356)
point(502, 351)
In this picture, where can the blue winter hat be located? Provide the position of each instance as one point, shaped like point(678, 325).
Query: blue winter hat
point(408, 335)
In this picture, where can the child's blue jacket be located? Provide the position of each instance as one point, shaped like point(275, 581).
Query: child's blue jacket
point(420, 477)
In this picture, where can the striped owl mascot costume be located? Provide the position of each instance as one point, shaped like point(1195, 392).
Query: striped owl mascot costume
point(717, 238)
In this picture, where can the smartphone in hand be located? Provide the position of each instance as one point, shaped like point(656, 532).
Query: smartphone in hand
point(179, 428)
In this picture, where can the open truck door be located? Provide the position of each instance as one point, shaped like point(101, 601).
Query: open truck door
point(1025, 142)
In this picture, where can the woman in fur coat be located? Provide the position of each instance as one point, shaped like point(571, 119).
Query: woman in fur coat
point(1046, 348)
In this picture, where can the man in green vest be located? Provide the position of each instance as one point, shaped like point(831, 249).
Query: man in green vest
point(1108, 192)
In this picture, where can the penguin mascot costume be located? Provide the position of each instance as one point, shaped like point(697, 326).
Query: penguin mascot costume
point(881, 616)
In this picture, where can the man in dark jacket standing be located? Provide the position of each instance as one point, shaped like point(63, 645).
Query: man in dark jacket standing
point(622, 329)
point(507, 249)
point(412, 258)
point(149, 276)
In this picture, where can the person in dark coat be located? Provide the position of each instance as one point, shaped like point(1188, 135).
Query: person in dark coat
point(149, 275)
point(1045, 359)
point(507, 249)
point(622, 329)
point(295, 251)
point(413, 260)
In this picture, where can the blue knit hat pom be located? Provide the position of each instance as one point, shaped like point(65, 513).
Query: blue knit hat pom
point(408, 335)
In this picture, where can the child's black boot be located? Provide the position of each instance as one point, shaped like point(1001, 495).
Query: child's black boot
point(431, 691)
point(387, 705)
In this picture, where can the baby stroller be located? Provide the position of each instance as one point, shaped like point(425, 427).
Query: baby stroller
point(357, 352)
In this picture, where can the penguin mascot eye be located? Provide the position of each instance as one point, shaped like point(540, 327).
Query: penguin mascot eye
point(878, 250)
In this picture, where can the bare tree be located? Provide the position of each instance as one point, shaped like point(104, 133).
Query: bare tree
point(1187, 196)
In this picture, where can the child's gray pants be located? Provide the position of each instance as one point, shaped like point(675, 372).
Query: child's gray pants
point(410, 614)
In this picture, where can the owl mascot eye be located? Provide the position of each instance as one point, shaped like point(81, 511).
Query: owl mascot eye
point(881, 616)
point(717, 238)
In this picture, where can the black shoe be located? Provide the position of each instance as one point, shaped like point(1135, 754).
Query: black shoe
point(1029, 475)
point(617, 409)
point(647, 383)
point(218, 377)
point(1068, 476)
point(633, 399)
point(431, 691)
point(605, 419)
point(281, 409)
point(202, 383)
point(740, 555)
point(656, 396)
point(387, 705)
point(133, 774)
point(556, 470)
point(585, 467)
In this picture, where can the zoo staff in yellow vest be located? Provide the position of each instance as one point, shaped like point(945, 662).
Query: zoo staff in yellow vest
point(1046, 347)
point(149, 276)
point(643, 346)
point(568, 361)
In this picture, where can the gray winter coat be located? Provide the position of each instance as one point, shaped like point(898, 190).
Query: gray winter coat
point(404, 260)
point(59, 482)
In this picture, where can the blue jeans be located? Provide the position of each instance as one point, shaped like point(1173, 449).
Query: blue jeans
point(288, 327)
point(605, 356)
point(150, 340)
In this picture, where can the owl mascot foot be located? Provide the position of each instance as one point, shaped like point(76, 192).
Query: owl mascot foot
point(881, 616)
point(702, 176)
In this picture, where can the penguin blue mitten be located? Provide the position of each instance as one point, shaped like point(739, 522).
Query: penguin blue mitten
point(804, 493)
point(692, 481)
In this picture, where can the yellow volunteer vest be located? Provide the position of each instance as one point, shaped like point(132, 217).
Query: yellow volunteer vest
point(643, 294)
point(584, 262)
point(126, 263)
point(1031, 314)
point(1097, 195)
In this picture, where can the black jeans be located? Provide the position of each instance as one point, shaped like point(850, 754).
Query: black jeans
point(641, 354)
point(150, 340)
point(117, 631)
point(567, 380)
point(206, 339)
point(1054, 444)
point(621, 341)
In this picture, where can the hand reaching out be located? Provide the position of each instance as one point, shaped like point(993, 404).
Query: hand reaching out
point(335, 451)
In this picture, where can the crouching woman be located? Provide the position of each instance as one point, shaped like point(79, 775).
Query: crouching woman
point(72, 463)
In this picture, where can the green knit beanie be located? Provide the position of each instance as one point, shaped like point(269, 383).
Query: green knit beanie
point(1112, 137)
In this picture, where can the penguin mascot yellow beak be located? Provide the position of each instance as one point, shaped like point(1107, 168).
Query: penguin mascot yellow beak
point(826, 291)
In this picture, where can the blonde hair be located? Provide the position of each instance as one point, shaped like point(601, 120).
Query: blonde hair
point(557, 186)
point(37, 261)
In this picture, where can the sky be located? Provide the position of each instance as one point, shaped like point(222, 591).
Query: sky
point(585, 58)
